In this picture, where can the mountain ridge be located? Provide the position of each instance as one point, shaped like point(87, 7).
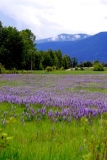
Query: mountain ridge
point(89, 49)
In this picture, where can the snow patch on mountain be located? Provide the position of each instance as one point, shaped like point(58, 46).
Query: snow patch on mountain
point(64, 37)
point(54, 38)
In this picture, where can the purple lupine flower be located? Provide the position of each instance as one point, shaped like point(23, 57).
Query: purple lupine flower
point(32, 111)
point(50, 113)
point(57, 114)
point(43, 110)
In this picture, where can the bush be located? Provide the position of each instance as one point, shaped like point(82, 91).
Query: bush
point(2, 69)
point(62, 68)
point(49, 69)
point(41, 66)
point(81, 68)
point(14, 71)
point(76, 68)
point(54, 67)
point(98, 67)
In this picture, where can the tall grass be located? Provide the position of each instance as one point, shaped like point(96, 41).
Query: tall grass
point(83, 139)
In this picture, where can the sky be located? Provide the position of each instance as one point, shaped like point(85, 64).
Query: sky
point(48, 18)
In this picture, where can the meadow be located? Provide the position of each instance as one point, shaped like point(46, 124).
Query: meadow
point(53, 116)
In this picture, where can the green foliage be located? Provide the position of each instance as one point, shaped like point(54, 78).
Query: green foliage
point(98, 67)
point(96, 62)
point(62, 68)
point(74, 62)
point(66, 61)
point(76, 68)
point(2, 69)
point(18, 50)
point(81, 68)
point(11, 49)
point(29, 50)
point(54, 67)
point(58, 59)
point(41, 66)
point(15, 47)
point(47, 60)
point(4, 138)
point(49, 69)
point(49, 140)
point(87, 64)
point(13, 71)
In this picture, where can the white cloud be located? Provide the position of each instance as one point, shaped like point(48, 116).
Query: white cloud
point(104, 2)
point(47, 18)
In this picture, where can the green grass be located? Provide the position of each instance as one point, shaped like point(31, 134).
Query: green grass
point(85, 71)
point(95, 89)
point(47, 140)
point(9, 83)
point(78, 72)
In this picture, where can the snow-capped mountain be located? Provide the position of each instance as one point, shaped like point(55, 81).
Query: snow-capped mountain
point(64, 37)
point(84, 49)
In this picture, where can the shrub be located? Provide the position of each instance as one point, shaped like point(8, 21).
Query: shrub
point(62, 68)
point(41, 66)
point(54, 67)
point(98, 67)
point(24, 72)
point(76, 68)
point(81, 68)
point(14, 71)
point(49, 68)
point(2, 69)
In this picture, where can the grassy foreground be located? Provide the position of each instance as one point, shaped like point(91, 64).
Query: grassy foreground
point(83, 139)
point(47, 131)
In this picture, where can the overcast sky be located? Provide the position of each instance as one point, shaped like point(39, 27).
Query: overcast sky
point(48, 18)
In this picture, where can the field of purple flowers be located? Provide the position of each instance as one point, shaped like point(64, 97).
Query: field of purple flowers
point(53, 117)
point(60, 96)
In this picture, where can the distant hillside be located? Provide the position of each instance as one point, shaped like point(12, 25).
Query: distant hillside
point(91, 48)
point(64, 37)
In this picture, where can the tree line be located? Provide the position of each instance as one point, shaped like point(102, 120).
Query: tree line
point(16, 47)
point(18, 50)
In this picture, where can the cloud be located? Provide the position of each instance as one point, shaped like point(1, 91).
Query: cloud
point(103, 2)
point(47, 18)
point(28, 14)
